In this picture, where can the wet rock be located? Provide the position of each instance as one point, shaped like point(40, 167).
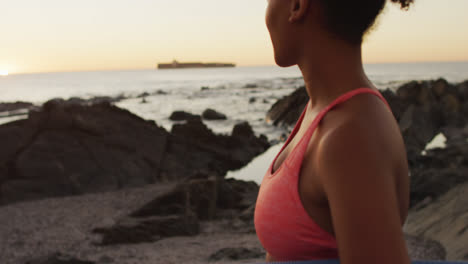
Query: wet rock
point(210, 114)
point(236, 254)
point(183, 116)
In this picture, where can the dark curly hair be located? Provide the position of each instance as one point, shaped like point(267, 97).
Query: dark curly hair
point(350, 20)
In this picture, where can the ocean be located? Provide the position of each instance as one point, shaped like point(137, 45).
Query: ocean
point(242, 93)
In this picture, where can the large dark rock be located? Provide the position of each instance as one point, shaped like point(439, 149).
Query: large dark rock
point(425, 248)
point(183, 116)
point(71, 148)
point(287, 110)
point(7, 107)
point(215, 153)
point(210, 114)
point(149, 229)
point(437, 172)
point(177, 212)
point(197, 195)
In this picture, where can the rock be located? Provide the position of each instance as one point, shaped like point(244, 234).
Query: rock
point(252, 100)
point(397, 106)
point(205, 197)
point(143, 95)
point(287, 110)
point(438, 172)
point(105, 259)
point(198, 196)
point(462, 89)
point(424, 248)
point(161, 92)
point(149, 229)
point(8, 107)
point(444, 220)
point(441, 88)
point(418, 127)
point(236, 254)
point(204, 88)
point(176, 213)
point(58, 258)
point(251, 86)
point(71, 149)
point(216, 153)
point(236, 194)
point(432, 183)
point(210, 114)
point(183, 116)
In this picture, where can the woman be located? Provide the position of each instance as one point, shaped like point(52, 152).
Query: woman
point(339, 188)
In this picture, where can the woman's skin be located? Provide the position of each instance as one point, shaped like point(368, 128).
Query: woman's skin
point(354, 179)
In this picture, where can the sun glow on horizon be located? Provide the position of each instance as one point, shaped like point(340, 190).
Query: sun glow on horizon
point(3, 72)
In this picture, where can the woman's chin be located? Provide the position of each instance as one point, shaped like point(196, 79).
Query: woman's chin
point(284, 62)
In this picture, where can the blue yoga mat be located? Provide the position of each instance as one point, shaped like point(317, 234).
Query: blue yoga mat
point(334, 261)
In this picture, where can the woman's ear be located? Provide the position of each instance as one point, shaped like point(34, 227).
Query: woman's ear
point(298, 10)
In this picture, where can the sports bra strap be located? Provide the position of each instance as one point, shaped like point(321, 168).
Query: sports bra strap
point(298, 154)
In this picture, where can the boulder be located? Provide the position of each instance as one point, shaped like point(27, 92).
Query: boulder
point(198, 196)
point(148, 229)
point(444, 220)
point(69, 149)
point(210, 114)
point(8, 107)
point(183, 116)
point(437, 172)
point(216, 153)
point(286, 111)
point(177, 212)
point(424, 248)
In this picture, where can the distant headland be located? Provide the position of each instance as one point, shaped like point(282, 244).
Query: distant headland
point(179, 65)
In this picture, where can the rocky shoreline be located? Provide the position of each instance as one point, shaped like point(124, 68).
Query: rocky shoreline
point(87, 182)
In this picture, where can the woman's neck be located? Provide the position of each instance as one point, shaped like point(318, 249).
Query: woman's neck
point(330, 70)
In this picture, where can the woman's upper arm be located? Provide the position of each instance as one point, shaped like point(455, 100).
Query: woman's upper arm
point(357, 177)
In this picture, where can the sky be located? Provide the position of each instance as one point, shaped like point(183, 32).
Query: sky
point(85, 35)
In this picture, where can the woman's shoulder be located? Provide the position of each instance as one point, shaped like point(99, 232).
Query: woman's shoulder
point(361, 131)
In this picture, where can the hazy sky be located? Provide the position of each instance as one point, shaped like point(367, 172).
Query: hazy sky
point(68, 35)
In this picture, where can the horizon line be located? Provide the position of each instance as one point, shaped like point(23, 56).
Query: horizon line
point(237, 66)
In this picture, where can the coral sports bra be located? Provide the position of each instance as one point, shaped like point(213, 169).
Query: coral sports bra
point(282, 224)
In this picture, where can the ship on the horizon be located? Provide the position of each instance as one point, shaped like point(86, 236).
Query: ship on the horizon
point(179, 65)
